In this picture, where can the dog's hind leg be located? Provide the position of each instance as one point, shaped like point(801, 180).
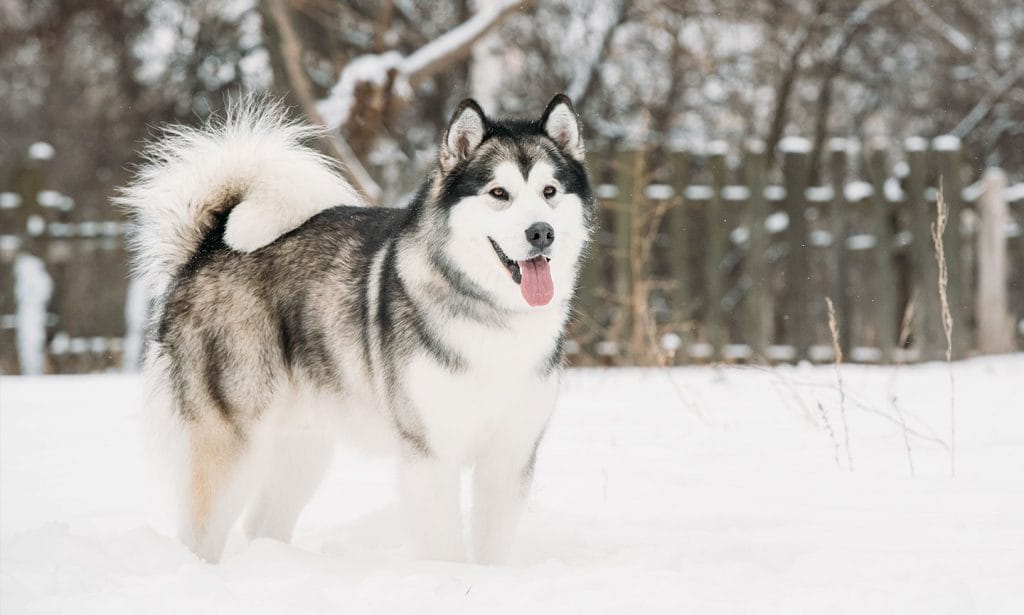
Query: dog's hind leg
point(216, 485)
point(294, 467)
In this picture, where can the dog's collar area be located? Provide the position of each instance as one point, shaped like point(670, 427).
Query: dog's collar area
point(510, 265)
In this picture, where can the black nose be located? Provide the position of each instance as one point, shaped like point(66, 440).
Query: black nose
point(540, 235)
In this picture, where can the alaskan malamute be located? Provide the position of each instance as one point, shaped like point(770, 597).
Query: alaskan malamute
point(288, 316)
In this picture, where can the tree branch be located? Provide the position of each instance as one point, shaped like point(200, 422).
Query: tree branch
point(291, 54)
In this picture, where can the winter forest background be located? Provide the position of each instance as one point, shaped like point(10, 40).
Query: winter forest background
point(685, 105)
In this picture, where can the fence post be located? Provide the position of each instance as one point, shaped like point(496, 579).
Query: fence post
point(995, 326)
point(759, 308)
point(947, 150)
point(32, 284)
point(795, 154)
point(883, 286)
point(714, 219)
point(928, 326)
point(840, 231)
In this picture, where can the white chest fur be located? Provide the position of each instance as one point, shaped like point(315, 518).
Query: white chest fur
point(503, 395)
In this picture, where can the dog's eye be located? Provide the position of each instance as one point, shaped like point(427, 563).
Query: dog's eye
point(499, 193)
point(549, 191)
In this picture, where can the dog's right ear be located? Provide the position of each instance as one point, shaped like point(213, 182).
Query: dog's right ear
point(464, 134)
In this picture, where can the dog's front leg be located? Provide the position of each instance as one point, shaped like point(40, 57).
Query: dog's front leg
point(503, 475)
point(430, 496)
point(501, 484)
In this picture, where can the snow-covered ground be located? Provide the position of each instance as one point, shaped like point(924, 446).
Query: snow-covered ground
point(710, 490)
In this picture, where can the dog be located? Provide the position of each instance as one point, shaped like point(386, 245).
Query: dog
point(288, 316)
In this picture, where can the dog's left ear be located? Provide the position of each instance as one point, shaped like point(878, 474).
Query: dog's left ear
point(465, 132)
point(563, 126)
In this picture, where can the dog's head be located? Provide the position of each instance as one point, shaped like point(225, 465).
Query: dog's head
point(516, 201)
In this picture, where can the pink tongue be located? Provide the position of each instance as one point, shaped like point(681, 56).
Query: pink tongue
point(536, 286)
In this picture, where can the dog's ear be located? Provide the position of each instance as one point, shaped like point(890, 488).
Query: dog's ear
point(561, 123)
point(464, 134)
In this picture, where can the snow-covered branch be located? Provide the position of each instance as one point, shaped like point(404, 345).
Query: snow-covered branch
point(585, 76)
point(397, 75)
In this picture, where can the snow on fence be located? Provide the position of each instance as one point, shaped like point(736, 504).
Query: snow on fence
point(699, 257)
point(63, 279)
point(742, 256)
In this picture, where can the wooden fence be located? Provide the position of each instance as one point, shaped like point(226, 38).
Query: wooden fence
point(722, 256)
point(718, 256)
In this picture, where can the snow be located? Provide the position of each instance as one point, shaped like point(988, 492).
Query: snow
point(699, 193)
point(49, 198)
point(775, 193)
point(777, 222)
point(893, 191)
point(946, 143)
point(840, 144)
point(136, 315)
point(717, 148)
point(35, 225)
point(857, 191)
point(861, 241)
point(1014, 193)
point(820, 238)
point(794, 145)
point(376, 68)
point(607, 192)
point(755, 146)
point(671, 342)
point(735, 193)
point(705, 489)
point(915, 144)
point(739, 235)
point(455, 38)
point(659, 192)
point(9, 243)
point(9, 200)
point(973, 192)
point(33, 288)
point(819, 194)
point(372, 68)
point(41, 151)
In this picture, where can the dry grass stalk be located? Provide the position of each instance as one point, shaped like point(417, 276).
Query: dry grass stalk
point(831, 434)
point(906, 436)
point(938, 228)
point(837, 353)
point(906, 325)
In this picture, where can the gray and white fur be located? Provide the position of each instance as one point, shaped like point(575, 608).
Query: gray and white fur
point(288, 317)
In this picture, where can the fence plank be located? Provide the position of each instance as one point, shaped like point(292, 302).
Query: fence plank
point(679, 245)
point(759, 304)
point(714, 216)
point(883, 289)
point(995, 325)
point(795, 154)
point(928, 327)
point(840, 231)
point(590, 310)
point(625, 181)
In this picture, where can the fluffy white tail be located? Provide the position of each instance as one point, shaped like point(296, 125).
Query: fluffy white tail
point(254, 162)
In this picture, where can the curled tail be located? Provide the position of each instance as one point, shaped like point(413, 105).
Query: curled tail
point(253, 162)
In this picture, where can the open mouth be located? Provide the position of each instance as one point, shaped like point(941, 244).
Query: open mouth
point(532, 275)
point(511, 265)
